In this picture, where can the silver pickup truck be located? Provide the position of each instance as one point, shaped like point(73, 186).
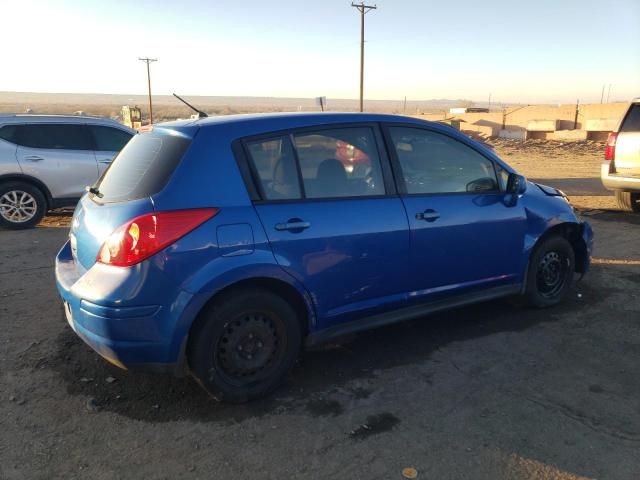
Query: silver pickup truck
point(621, 167)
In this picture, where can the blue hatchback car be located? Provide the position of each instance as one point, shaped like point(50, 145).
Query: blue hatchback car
point(221, 246)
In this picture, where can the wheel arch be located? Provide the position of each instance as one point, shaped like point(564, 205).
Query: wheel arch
point(293, 295)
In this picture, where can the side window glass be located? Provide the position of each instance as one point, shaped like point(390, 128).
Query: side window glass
point(632, 121)
point(503, 177)
point(109, 139)
point(340, 162)
point(275, 164)
point(54, 136)
point(435, 163)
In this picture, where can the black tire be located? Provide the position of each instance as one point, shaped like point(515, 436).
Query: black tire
point(244, 345)
point(550, 273)
point(35, 205)
point(628, 201)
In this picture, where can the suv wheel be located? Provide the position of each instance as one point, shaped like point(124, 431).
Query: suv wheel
point(244, 345)
point(550, 273)
point(628, 201)
point(21, 205)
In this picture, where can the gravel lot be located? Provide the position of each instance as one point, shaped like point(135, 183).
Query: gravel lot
point(486, 392)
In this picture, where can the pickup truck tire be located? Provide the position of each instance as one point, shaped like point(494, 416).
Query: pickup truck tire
point(628, 201)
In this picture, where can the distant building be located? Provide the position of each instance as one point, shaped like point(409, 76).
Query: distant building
point(469, 110)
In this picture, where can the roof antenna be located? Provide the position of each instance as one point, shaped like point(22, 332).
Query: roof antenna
point(200, 113)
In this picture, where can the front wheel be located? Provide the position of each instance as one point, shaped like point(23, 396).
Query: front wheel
point(550, 273)
point(244, 345)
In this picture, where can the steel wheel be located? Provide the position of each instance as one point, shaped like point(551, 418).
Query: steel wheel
point(18, 206)
point(552, 274)
point(248, 348)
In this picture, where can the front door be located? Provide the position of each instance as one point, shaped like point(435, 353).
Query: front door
point(463, 235)
point(60, 155)
point(330, 220)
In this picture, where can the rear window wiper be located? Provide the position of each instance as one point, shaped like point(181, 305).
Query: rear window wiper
point(94, 191)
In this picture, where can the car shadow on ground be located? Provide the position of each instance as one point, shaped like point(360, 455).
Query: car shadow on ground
point(159, 398)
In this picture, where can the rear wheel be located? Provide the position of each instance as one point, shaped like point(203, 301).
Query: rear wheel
point(550, 272)
point(244, 345)
point(628, 201)
point(21, 205)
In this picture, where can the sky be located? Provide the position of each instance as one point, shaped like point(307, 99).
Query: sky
point(547, 51)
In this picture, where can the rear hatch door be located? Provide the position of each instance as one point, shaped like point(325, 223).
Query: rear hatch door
point(140, 170)
point(627, 160)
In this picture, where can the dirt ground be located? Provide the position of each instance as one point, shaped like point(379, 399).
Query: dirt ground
point(573, 167)
point(491, 391)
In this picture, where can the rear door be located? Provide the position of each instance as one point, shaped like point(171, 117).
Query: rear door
point(463, 235)
point(108, 141)
point(60, 155)
point(627, 159)
point(332, 217)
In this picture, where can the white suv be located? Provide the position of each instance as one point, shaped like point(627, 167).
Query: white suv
point(621, 168)
point(46, 161)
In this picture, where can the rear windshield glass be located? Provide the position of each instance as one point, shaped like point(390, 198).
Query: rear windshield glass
point(143, 167)
point(632, 121)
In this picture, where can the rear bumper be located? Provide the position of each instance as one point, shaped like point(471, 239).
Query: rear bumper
point(615, 182)
point(124, 331)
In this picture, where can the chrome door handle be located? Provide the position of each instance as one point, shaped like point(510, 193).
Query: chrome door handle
point(294, 227)
point(105, 161)
point(428, 215)
point(33, 158)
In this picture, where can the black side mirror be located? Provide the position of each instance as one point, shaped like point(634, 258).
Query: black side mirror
point(516, 184)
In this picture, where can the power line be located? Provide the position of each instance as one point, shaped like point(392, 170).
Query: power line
point(363, 9)
point(148, 60)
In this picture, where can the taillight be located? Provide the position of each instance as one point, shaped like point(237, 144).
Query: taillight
point(610, 149)
point(146, 235)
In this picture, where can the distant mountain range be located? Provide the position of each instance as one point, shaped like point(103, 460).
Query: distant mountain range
point(25, 100)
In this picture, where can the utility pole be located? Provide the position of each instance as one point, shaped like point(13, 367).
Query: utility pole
point(363, 9)
point(404, 106)
point(608, 93)
point(148, 60)
point(602, 95)
point(575, 119)
point(489, 102)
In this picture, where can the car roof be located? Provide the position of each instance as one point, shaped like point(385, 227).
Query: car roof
point(285, 120)
point(35, 118)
